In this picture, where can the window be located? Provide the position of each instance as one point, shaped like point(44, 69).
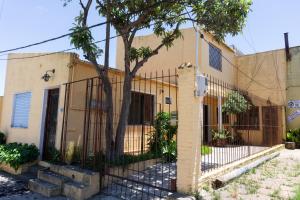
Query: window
point(248, 120)
point(215, 59)
point(21, 110)
point(141, 109)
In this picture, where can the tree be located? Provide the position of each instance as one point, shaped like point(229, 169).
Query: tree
point(164, 18)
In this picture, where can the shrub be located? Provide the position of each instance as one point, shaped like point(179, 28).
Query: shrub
point(16, 154)
point(293, 136)
point(54, 155)
point(163, 133)
point(235, 103)
point(221, 135)
point(205, 150)
point(169, 151)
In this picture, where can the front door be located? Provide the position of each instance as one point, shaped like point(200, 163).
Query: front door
point(270, 125)
point(50, 123)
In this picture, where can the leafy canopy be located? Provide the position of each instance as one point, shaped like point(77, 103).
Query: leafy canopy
point(235, 103)
point(163, 17)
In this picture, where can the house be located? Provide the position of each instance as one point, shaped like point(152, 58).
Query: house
point(35, 93)
point(263, 76)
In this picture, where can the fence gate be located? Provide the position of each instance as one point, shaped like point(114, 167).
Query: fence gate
point(147, 168)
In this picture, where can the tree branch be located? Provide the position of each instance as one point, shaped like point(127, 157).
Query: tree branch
point(140, 63)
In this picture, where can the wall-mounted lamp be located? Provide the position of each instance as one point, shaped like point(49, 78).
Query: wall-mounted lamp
point(47, 76)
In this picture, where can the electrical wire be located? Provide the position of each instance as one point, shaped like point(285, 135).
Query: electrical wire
point(70, 49)
point(70, 33)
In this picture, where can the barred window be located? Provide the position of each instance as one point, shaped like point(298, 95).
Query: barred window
point(248, 120)
point(141, 109)
point(215, 59)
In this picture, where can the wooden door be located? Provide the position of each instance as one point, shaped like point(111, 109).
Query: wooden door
point(50, 123)
point(270, 125)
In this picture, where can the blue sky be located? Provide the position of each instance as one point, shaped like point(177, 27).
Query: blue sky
point(24, 22)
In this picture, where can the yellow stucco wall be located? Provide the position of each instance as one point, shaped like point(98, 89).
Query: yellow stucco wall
point(268, 70)
point(293, 86)
point(24, 75)
point(84, 70)
point(183, 50)
point(1, 102)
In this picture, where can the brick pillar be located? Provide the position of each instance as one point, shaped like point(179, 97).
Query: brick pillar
point(190, 118)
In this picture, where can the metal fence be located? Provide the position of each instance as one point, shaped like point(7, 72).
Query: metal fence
point(147, 167)
point(236, 124)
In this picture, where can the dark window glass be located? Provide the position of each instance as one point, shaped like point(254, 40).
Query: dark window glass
point(215, 57)
point(141, 109)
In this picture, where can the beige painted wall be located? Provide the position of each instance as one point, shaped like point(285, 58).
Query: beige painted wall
point(24, 75)
point(1, 102)
point(267, 68)
point(293, 85)
point(183, 50)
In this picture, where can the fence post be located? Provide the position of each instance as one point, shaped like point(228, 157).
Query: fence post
point(190, 129)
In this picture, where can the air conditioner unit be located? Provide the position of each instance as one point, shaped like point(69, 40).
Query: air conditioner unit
point(202, 85)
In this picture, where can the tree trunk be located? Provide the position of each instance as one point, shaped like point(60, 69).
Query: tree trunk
point(120, 134)
point(109, 131)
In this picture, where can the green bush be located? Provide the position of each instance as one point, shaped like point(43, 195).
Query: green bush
point(235, 103)
point(16, 154)
point(163, 133)
point(2, 138)
point(54, 155)
point(169, 151)
point(293, 135)
point(205, 150)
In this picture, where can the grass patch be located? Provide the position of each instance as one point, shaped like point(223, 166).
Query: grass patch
point(205, 150)
point(251, 185)
point(276, 194)
point(297, 194)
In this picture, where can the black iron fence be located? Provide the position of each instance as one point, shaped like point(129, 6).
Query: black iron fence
point(147, 166)
point(236, 124)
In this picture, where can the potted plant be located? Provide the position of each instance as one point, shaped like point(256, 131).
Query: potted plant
point(220, 137)
point(292, 137)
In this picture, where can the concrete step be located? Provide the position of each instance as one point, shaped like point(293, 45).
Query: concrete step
point(77, 191)
point(44, 188)
point(73, 172)
point(51, 177)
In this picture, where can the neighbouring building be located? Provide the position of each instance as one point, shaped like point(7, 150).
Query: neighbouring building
point(35, 94)
point(268, 76)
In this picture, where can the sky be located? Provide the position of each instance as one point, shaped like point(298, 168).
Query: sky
point(25, 22)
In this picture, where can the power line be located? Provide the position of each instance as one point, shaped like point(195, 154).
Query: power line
point(70, 49)
point(70, 33)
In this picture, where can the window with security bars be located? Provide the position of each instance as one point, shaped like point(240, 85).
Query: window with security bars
point(215, 57)
point(248, 120)
point(141, 109)
point(21, 110)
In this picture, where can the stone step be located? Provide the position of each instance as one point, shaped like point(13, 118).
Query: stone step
point(44, 188)
point(51, 177)
point(73, 172)
point(77, 191)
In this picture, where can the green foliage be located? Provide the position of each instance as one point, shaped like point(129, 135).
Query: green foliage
point(219, 17)
point(221, 135)
point(161, 141)
point(235, 103)
point(163, 133)
point(169, 151)
point(293, 135)
point(16, 154)
point(2, 138)
point(54, 155)
point(205, 150)
point(297, 194)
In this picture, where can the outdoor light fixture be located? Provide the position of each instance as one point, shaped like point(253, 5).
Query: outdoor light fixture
point(47, 76)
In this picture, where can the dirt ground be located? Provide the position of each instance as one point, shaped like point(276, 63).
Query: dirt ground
point(276, 179)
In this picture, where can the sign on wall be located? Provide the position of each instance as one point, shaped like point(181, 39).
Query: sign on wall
point(294, 104)
point(294, 115)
